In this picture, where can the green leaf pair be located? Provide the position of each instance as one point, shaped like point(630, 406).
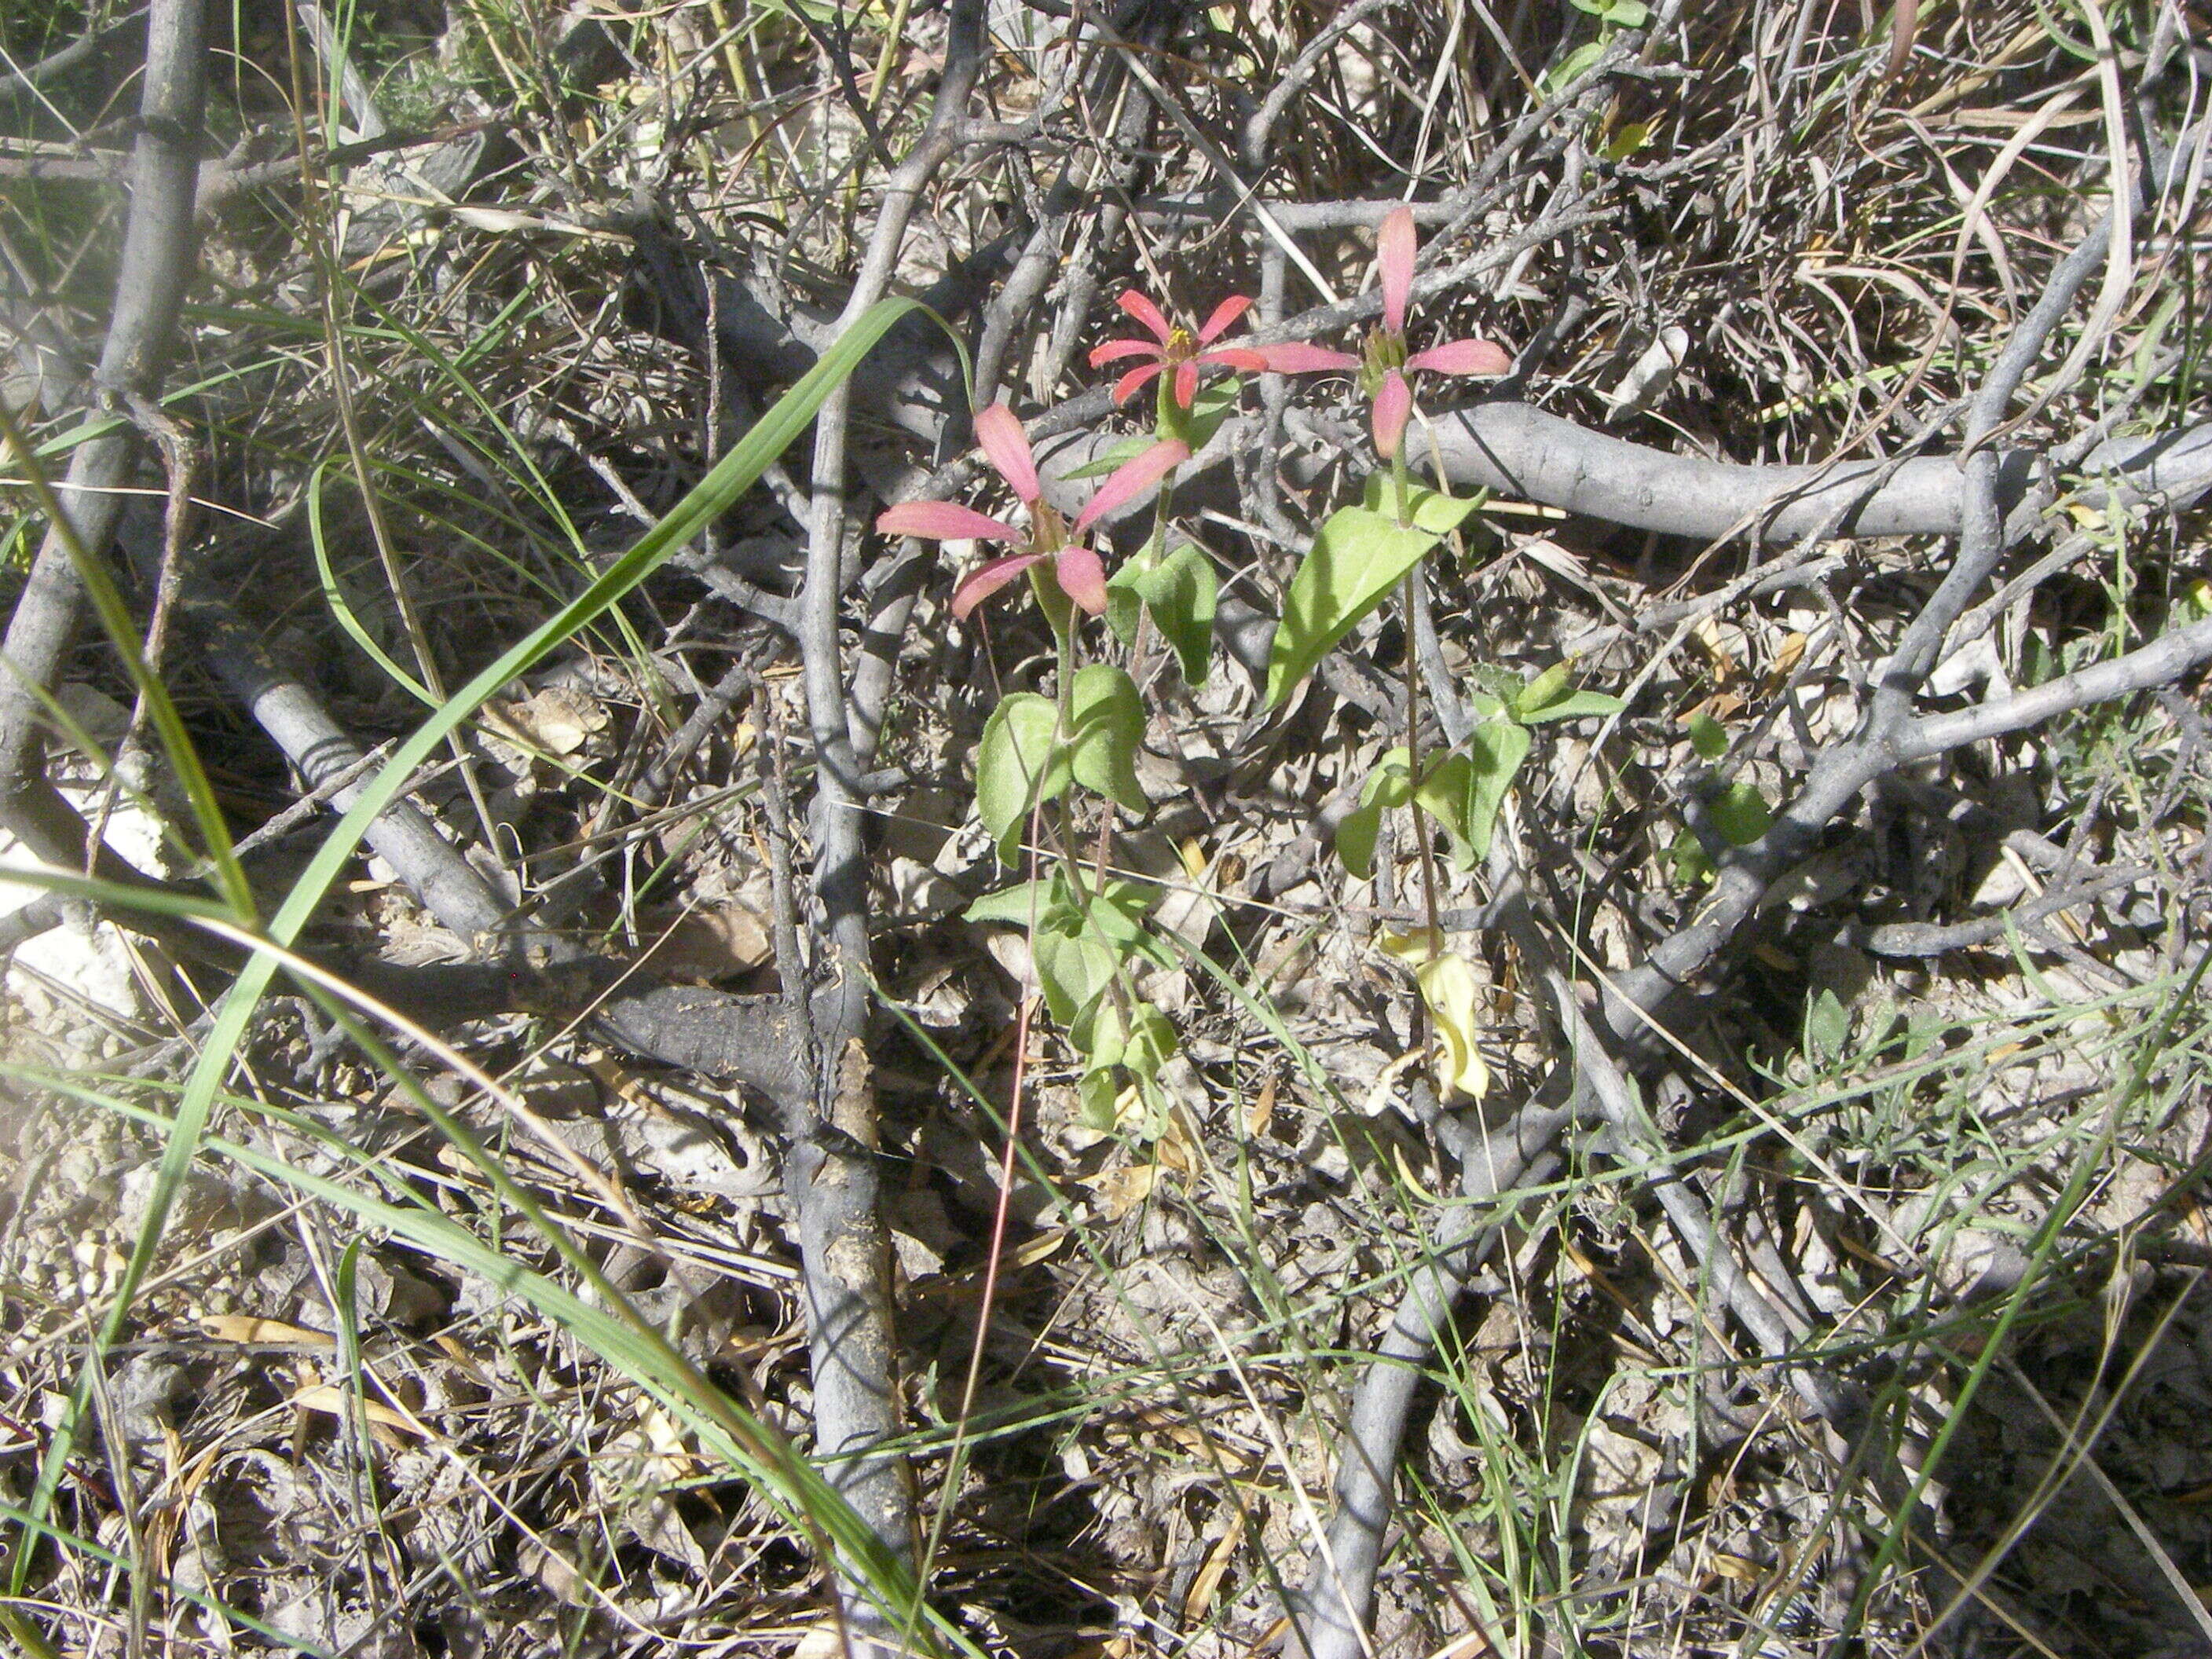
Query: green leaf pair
point(1023, 761)
point(1079, 943)
point(1181, 591)
point(1463, 789)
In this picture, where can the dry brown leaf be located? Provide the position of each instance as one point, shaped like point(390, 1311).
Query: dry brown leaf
point(1718, 658)
point(1787, 656)
point(701, 946)
point(1203, 1588)
point(558, 720)
point(330, 1399)
point(1038, 1249)
point(1262, 1111)
point(244, 1328)
point(1121, 1190)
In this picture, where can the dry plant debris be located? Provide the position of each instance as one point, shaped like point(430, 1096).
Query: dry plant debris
point(1627, 1077)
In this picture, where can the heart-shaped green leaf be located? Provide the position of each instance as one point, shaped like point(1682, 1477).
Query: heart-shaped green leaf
point(1390, 784)
point(1073, 968)
point(1109, 723)
point(1017, 765)
point(1740, 813)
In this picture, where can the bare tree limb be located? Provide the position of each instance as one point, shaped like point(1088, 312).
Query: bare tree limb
point(1533, 456)
point(149, 290)
point(2162, 662)
point(831, 1176)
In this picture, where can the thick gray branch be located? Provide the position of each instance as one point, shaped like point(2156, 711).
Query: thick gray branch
point(1523, 452)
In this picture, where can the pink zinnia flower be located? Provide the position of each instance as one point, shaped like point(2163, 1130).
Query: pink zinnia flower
point(1076, 568)
point(1386, 363)
point(1177, 348)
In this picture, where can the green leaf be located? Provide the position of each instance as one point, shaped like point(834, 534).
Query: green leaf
point(1357, 558)
point(1099, 1091)
point(1496, 748)
point(1114, 458)
point(1181, 594)
point(1546, 688)
point(1073, 968)
point(1117, 914)
point(1181, 591)
point(1740, 813)
point(1627, 141)
point(1390, 784)
point(1125, 597)
point(1447, 794)
point(1044, 902)
point(1018, 765)
point(1356, 835)
point(1572, 68)
point(1108, 724)
point(1425, 508)
point(1547, 697)
point(1575, 705)
point(1687, 855)
point(1210, 409)
point(1140, 1043)
point(1708, 736)
point(1827, 1027)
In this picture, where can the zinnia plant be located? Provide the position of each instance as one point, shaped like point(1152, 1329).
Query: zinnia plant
point(1173, 347)
point(1386, 363)
point(1075, 570)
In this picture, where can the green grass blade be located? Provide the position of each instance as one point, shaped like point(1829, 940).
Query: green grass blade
point(729, 478)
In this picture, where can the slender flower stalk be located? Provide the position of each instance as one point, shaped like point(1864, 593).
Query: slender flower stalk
point(1075, 569)
point(1386, 365)
point(1174, 347)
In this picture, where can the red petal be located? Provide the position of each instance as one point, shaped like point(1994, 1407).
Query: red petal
point(1125, 388)
point(1186, 383)
point(1114, 350)
point(1006, 447)
point(988, 581)
point(1463, 358)
point(1299, 358)
point(1394, 254)
point(1131, 479)
point(1082, 578)
point(1394, 403)
point(944, 521)
point(1145, 313)
point(1223, 314)
point(1250, 359)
